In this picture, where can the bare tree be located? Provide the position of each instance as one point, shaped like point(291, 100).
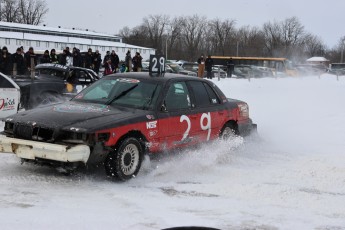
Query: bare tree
point(251, 41)
point(32, 11)
point(313, 45)
point(155, 26)
point(220, 36)
point(23, 11)
point(193, 30)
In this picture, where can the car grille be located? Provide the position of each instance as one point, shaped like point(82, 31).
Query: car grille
point(29, 132)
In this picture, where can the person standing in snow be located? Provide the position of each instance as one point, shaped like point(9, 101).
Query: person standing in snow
point(201, 66)
point(53, 57)
point(88, 59)
point(45, 58)
point(97, 60)
point(18, 61)
point(5, 61)
point(208, 66)
point(128, 61)
point(114, 61)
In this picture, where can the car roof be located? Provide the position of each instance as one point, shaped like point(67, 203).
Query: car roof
point(151, 76)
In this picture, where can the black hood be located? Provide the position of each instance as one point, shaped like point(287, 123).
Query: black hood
point(87, 116)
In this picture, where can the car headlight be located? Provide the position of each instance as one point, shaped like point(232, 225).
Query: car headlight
point(244, 110)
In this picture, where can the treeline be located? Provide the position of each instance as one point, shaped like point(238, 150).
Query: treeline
point(186, 37)
point(23, 11)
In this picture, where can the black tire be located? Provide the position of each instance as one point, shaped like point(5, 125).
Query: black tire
point(228, 132)
point(124, 162)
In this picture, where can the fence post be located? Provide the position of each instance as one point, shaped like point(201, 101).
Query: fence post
point(32, 66)
point(218, 73)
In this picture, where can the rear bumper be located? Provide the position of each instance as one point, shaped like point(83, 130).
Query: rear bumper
point(31, 150)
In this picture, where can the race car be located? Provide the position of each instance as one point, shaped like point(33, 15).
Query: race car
point(9, 96)
point(120, 118)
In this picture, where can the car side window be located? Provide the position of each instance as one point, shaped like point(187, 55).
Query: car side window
point(177, 97)
point(212, 95)
point(201, 95)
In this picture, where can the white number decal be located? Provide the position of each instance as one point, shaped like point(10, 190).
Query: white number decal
point(182, 119)
point(206, 116)
point(154, 66)
point(161, 64)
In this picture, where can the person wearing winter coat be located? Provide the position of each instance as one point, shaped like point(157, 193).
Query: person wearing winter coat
point(201, 66)
point(137, 59)
point(114, 61)
point(18, 61)
point(97, 60)
point(89, 59)
point(5, 61)
point(45, 58)
point(106, 58)
point(108, 68)
point(128, 61)
point(29, 57)
point(63, 58)
point(208, 66)
point(76, 57)
point(53, 57)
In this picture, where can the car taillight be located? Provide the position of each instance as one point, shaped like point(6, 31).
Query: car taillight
point(244, 110)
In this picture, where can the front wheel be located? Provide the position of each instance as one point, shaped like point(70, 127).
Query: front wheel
point(124, 162)
point(228, 132)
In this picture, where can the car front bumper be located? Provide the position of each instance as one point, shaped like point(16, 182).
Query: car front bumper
point(247, 127)
point(31, 150)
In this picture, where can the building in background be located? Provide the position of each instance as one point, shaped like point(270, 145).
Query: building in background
point(14, 35)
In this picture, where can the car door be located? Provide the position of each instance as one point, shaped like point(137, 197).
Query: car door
point(176, 119)
point(9, 96)
point(209, 112)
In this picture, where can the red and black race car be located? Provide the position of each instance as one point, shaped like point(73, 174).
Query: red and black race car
point(121, 117)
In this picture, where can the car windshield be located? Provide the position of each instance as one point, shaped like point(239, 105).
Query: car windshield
point(125, 92)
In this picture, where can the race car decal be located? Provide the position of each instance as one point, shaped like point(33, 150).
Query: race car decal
point(7, 104)
point(151, 125)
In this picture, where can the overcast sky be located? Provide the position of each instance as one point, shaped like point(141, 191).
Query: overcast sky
point(323, 18)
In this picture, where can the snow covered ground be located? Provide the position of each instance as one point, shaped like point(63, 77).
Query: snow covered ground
point(291, 177)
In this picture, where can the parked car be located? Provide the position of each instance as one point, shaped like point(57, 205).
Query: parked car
point(175, 68)
point(9, 96)
point(251, 71)
point(52, 82)
point(193, 66)
point(120, 118)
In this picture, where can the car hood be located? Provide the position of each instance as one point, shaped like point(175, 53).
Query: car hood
point(86, 116)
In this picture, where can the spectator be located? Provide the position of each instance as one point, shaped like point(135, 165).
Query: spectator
point(77, 60)
point(208, 66)
point(63, 58)
point(230, 66)
point(201, 66)
point(88, 59)
point(123, 68)
point(106, 58)
point(137, 62)
point(5, 61)
point(114, 61)
point(45, 58)
point(128, 61)
point(108, 67)
point(97, 60)
point(18, 62)
point(53, 57)
point(69, 57)
point(30, 59)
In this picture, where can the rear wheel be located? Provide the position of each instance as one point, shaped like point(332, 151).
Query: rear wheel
point(124, 162)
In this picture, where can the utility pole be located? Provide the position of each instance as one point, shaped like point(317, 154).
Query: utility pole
point(342, 51)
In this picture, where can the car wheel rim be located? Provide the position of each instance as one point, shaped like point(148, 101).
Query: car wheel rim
point(227, 133)
point(129, 159)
